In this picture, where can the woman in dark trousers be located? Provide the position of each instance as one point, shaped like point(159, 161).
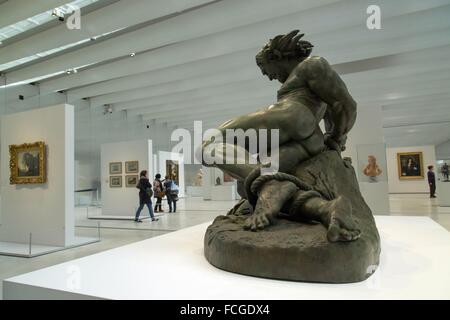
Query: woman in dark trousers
point(145, 188)
point(158, 189)
point(170, 199)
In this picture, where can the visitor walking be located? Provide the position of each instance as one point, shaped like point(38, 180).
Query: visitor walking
point(159, 192)
point(432, 182)
point(145, 196)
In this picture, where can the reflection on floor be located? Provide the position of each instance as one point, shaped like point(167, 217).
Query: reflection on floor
point(191, 211)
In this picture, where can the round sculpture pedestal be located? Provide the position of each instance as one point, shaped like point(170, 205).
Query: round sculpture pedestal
point(289, 251)
point(298, 251)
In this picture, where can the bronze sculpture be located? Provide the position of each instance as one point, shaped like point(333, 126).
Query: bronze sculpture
point(313, 185)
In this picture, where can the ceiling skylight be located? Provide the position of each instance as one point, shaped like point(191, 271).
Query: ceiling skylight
point(40, 19)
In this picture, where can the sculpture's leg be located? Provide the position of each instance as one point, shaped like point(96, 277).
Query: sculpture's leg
point(335, 214)
point(271, 198)
point(289, 156)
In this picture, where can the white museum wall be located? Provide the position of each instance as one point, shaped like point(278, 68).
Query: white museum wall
point(45, 210)
point(443, 151)
point(368, 130)
point(225, 192)
point(409, 186)
point(163, 156)
point(86, 177)
point(125, 200)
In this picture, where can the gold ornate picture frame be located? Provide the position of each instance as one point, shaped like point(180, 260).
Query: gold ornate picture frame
point(27, 163)
point(410, 165)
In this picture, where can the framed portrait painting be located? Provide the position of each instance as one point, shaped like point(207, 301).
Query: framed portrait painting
point(27, 163)
point(410, 165)
point(131, 166)
point(115, 182)
point(115, 168)
point(172, 170)
point(131, 181)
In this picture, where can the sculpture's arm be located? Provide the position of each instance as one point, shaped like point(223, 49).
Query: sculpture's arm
point(329, 87)
point(366, 170)
point(379, 170)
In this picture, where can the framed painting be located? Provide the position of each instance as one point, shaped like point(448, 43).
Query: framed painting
point(410, 165)
point(227, 177)
point(115, 168)
point(115, 182)
point(131, 166)
point(172, 170)
point(27, 163)
point(131, 181)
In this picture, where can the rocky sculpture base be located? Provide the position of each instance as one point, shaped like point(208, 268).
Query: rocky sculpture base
point(301, 251)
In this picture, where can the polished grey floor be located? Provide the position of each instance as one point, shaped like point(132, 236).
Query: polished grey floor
point(191, 211)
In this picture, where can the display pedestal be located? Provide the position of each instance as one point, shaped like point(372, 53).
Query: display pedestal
point(223, 193)
point(376, 196)
point(411, 267)
point(194, 191)
point(25, 250)
point(443, 194)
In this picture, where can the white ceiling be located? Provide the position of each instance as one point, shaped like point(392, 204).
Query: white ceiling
point(194, 60)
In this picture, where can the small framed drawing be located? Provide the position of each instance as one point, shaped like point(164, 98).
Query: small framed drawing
point(131, 166)
point(27, 163)
point(115, 168)
point(115, 181)
point(131, 181)
point(410, 165)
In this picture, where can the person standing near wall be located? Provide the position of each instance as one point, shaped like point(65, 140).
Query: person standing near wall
point(159, 193)
point(445, 171)
point(145, 196)
point(432, 182)
point(168, 190)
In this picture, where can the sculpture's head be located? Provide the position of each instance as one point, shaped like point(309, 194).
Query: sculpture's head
point(281, 54)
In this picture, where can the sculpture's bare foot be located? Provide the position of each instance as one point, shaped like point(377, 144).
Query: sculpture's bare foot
point(271, 199)
point(341, 226)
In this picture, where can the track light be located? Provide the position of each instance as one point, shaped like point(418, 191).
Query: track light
point(108, 109)
point(58, 13)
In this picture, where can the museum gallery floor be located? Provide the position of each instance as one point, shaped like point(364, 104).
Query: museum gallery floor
point(411, 268)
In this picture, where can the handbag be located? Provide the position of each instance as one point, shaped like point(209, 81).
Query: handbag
point(149, 192)
point(160, 194)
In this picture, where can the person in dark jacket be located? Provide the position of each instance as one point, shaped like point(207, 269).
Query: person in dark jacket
point(158, 191)
point(445, 171)
point(432, 182)
point(170, 198)
point(145, 189)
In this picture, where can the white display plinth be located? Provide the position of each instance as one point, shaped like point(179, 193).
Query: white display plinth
point(443, 193)
point(223, 193)
point(414, 265)
point(376, 195)
point(194, 191)
point(24, 250)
